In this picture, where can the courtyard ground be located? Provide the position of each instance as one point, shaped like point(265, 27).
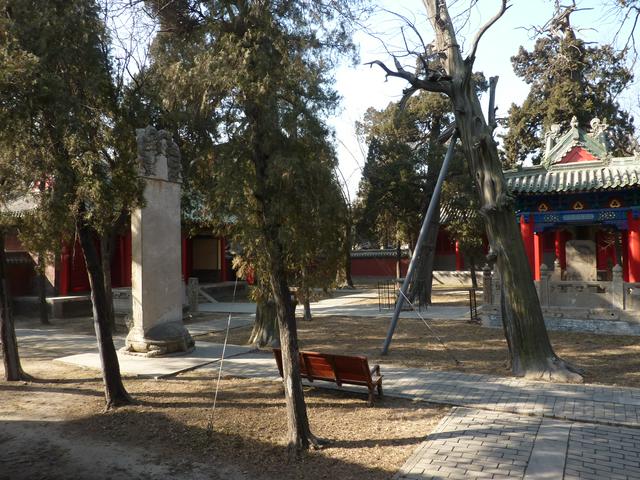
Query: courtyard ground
point(54, 428)
point(607, 359)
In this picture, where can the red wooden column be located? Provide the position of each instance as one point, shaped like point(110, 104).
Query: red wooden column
point(459, 258)
point(633, 249)
point(560, 243)
point(122, 259)
point(65, 271)
point(223, 260)
point(526, 231)
point(538, 243)
point(625, 255)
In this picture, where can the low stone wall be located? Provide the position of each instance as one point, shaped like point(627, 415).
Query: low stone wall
point(442, 278)
point(460, 278)
point(599, 307)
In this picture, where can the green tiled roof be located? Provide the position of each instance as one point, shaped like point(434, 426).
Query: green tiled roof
point(19, 206)
point(378, 253)
point(554, 176)
point(576, 177)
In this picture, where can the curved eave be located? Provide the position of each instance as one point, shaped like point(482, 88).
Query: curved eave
point(573, 181)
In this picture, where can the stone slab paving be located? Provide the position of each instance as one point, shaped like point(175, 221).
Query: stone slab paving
point(342, 307)
point(54, 341)
point(157, 367)
point(249, 365)
point(219, 325)
point(471, 443)
point(586, 403)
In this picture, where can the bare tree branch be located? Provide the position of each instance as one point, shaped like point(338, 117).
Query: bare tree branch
point(484, 28)
point(442, 84)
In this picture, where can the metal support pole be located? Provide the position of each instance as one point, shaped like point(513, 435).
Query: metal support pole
point(435, 198)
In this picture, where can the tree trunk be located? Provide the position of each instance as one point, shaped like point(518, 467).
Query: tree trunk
point(115, 393)
point(10, 355)
point(41, 285)
point(265, 328)
point(398, 261)
point(348, 242)
point(299, 436)
point(106, 250)
point(422, 284)
point(299, 433)
point(531, 351)
point(472, 270)
point(307, 309)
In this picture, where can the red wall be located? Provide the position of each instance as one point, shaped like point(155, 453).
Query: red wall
point(377, 267)
point(20, 277)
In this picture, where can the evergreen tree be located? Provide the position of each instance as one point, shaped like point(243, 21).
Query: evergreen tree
point(567, 77)
point(255, 74)
point(61, 123)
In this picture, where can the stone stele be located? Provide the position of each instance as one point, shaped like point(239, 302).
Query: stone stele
point(156, 284)
point(581, 260)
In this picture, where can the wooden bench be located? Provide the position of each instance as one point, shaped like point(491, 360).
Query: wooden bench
point(339, 369)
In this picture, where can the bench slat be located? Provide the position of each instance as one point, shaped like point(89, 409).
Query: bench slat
point(353, 370)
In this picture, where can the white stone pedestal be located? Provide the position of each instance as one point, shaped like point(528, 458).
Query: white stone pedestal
point(156, 284)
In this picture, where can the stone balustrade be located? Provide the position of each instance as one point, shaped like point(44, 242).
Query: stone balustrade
point(605, 306)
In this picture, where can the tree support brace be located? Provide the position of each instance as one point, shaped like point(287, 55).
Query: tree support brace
point(435, 198)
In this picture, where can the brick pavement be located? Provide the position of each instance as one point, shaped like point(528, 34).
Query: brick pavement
point(471, 443)
point(478, 444)
point(585, 403)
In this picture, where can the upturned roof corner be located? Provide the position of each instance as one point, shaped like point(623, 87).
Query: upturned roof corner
point(559, 148)
point(576, 161)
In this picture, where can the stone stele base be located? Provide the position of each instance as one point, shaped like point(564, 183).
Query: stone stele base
point(161, 339)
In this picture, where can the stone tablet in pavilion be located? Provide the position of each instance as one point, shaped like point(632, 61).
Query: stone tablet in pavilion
point(581, 260)
point(156, 283)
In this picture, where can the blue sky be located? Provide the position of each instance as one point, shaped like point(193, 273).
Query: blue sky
point(362, 87)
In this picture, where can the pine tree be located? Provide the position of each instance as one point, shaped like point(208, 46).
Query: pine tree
point(567, 77)
point(61, 123)
point(255, 75)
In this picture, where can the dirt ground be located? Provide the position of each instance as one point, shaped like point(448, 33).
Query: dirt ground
point(54, 428)
point(607, 359)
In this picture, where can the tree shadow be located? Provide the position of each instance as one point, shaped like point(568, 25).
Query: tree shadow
point(135, 442)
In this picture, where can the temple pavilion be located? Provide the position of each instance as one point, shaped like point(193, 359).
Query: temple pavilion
point(581, 200)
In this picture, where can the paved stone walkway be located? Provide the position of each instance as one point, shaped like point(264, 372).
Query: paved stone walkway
point(471, 443)
point(606, 405)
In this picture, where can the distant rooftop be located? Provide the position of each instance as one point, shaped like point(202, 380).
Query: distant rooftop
point(576, 161)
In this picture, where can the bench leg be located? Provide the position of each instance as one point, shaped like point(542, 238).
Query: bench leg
point(370, 402)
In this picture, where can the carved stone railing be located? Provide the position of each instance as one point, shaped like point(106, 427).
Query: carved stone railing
point(631, 292)
point(552, 292)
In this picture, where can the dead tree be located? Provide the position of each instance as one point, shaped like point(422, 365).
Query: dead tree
point(442, 68)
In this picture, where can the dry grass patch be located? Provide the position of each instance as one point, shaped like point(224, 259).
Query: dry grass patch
point(174, 421)
point(608, 359)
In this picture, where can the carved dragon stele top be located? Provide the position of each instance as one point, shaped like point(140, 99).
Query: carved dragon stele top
point(156, 149)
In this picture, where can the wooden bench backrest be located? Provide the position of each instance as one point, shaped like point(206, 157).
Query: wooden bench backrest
point(327, 366)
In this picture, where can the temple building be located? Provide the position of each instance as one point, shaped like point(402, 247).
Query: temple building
point(579, 210)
